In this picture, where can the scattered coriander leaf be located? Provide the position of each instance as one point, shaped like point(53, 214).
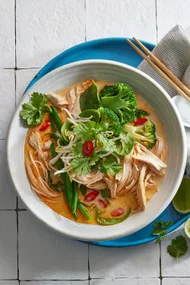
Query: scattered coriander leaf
point(160, 229)
point(178, 247)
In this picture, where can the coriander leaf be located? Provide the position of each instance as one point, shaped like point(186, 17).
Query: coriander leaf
point(34, 111)
point(178, 247)
point(81, 165)
point(38, 99)
point(110, 166)
point(87, 131)
point(160, 229)
point(77, 149)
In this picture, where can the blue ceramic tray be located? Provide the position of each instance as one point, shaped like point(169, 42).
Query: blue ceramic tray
point(116, 49)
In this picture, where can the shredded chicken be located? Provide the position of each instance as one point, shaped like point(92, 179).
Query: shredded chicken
point(111, 184)
point(149, 180)
point(141, 187)
point(140, 153)
point(47, 145)
point(36, 142)
point(99, 185)
point(128, 176)
point(160, 149)
point(39, 185)
point(70, 99)
point(89, 179)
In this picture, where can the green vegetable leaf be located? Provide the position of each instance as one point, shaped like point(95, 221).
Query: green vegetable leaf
point(178, 247)
point(160, 229)
point(89, 99)
point(109, 165)
point(34, 111)
point(92, 113)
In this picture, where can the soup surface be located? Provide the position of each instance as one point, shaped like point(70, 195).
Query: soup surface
point(128, 180)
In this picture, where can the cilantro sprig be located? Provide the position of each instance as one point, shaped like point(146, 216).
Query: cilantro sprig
point(160, 229)
point(178, 247)
point(34, 111)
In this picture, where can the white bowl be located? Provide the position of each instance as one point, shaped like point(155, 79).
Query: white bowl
point(155, 96)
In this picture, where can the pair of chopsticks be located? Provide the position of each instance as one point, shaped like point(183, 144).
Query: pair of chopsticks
point(162, 69)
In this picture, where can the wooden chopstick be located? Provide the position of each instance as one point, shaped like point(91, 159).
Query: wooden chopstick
point(163, 67)
point(161, 72)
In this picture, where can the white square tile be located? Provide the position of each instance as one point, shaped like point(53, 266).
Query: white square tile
point(45, 255)
point(7, 34)
point(9, 282)
point(21, 204)
point(54, 283)
point(170, 266)
point(8, 245)
point(171, 13)
point(141, 261)
point(123, 18)
point(46, 28)
point(7, 191)
point(147, 281)
point(176, 281)
point(7, 99)
point(23, 78)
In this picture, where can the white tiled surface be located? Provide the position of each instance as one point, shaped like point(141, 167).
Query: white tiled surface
point(43, 29)
point(126, 282)
point(104, 262)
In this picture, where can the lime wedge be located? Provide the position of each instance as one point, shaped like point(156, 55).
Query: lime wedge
point(187, 228)
point(181, 201)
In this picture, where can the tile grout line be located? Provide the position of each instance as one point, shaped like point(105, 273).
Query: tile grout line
point(89, 263)
point(85, 19)
point(156, 19)
point(17, 238)
point(15, 33)
point(160, 263)
point(17, 225)
point(15, 49)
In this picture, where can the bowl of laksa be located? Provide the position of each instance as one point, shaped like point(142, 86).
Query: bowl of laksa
point(96, 150)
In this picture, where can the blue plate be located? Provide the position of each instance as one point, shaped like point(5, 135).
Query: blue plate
point(116, 49)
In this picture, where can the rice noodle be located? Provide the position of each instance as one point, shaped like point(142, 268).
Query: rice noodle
point(39, 183)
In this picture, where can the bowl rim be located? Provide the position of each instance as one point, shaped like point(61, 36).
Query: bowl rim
point(80, 236)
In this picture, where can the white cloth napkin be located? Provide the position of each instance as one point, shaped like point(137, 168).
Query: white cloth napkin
point(174, 51)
